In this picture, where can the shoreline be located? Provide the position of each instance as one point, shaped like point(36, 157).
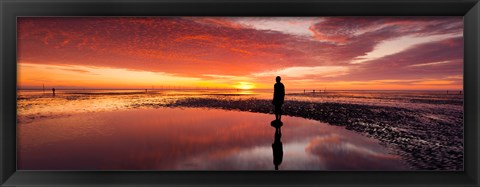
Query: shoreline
point(428, 135)
point(424, 143)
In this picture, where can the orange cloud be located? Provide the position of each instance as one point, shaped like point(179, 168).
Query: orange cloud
point(197, 46)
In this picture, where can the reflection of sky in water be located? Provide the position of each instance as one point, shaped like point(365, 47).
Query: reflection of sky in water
point(193, 139)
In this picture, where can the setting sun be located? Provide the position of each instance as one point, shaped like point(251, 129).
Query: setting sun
point(244, 85)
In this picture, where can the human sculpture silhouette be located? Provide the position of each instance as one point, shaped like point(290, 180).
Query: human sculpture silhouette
point(278, 97)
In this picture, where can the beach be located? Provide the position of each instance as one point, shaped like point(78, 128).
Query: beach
point(423, 128)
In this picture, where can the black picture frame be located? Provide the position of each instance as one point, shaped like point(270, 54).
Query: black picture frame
point(11, 9)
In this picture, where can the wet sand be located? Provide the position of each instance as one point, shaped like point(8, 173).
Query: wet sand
point(194, 139)
point(424, 127)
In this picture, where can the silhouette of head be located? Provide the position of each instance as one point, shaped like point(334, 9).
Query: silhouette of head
point(278, 79)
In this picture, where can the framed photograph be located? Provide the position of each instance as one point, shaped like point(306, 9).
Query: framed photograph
point(230, 93)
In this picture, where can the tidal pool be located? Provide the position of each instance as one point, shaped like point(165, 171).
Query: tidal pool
point(195, 139)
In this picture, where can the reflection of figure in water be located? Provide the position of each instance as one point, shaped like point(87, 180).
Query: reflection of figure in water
point(53, 91)
point(277, 145)
point(278, 97)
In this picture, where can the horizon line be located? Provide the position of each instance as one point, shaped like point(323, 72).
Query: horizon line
point(309, 90)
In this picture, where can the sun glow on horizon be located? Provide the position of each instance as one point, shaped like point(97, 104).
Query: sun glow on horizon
point(244, 85)
point(33, 76)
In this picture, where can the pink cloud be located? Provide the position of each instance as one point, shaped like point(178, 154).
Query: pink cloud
point(402, 65)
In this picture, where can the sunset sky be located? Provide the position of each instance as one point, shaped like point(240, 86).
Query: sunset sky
point(347, 53)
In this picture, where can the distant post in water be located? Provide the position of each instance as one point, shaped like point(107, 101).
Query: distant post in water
point(53, 91)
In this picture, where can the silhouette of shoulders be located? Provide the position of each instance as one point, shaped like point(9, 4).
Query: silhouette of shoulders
point(279, 85)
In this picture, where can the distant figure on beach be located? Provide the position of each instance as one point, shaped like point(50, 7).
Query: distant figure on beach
point(53, 91)
point(278, 97)
point(277, 145)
